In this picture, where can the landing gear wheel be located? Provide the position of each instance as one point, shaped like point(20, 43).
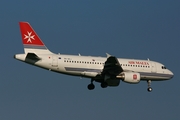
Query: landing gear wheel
point(91, 86)
point(149, 89)
point(149, 86)
point(104, 85)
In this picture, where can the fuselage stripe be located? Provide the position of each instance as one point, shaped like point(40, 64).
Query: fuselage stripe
point(82, 69)
point(99, 71)
point(35, 47)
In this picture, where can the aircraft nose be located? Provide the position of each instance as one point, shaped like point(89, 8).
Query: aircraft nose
point(171, 74)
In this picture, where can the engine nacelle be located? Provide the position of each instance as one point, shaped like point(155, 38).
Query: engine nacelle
point(131, 77)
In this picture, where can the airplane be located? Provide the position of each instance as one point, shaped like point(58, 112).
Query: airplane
point(108, 71)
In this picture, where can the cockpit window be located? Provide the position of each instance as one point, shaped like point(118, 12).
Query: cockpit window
point(163, 67)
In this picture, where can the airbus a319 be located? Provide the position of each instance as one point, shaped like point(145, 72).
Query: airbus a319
point(108, 71)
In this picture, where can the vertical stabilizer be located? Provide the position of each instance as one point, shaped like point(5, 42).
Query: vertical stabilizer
point(31, 41)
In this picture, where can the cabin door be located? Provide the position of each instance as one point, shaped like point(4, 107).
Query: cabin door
point(54, 61)
point(153, 67)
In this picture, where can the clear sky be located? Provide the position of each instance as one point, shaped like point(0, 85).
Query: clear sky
point(125, 28)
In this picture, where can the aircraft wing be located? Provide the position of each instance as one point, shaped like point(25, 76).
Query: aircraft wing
point(112, 66)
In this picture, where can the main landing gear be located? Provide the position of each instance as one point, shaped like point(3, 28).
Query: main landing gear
point(104, 85)
point(149, 86)
point(91, 86)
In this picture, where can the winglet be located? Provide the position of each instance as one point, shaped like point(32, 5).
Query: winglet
point(108, 55)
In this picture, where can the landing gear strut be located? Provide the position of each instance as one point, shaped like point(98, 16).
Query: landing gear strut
point(91, 85)
point(149, 86)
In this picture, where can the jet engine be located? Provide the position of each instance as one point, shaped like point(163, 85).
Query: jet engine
point(130, 77)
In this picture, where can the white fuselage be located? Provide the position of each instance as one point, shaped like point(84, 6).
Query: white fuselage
point(89, 66)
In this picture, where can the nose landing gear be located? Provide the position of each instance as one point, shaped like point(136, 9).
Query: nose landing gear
point(149, 86)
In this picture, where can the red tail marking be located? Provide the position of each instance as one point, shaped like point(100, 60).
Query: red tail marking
point(29, 36)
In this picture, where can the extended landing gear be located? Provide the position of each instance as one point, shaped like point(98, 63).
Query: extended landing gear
point(149, 86)
point(91, 85)
point(104, 85)
point(149, 89)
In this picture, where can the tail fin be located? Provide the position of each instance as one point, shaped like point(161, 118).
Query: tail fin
point(31, 41)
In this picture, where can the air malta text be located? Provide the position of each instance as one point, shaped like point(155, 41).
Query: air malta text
point(138, 63)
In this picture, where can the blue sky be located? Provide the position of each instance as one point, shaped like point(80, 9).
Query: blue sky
point(125, 28)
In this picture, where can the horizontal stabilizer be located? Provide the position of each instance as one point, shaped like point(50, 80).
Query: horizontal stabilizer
point(33, 56)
